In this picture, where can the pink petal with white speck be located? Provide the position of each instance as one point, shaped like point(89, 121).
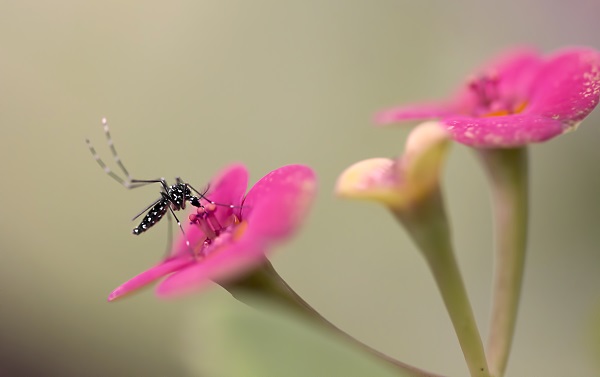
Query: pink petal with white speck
point(568, 86)
point(502, 131)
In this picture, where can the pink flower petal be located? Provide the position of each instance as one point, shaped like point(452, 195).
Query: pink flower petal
point(278, 202)
point(568, 86)
point(148, 276)
point(230, 185)
point(228, 188)
point(517, 68)
point(232, 261)
point(502, 131)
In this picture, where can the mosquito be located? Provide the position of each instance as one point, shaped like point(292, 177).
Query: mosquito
point(172, 197)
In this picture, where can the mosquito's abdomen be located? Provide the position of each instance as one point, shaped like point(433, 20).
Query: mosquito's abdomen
point(152, 217)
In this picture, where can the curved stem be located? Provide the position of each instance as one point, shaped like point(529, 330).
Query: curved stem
point(427, 224)
point(507, 171)
point(267, 282)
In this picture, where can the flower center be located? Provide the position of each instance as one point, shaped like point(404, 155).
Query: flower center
point(489, 100)
point(217, 232)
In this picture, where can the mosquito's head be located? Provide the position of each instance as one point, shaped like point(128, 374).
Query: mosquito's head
point(195, 201)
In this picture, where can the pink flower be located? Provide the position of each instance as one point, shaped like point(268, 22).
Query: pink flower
point(230, 242)
point(518, 98)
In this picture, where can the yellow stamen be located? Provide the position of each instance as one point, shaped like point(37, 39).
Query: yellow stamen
point(503, 112)
point(239, 230)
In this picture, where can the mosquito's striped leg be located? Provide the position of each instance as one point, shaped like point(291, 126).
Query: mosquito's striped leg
point(103, 165)
point(111, 144)
point(124, 182)
point(143, 182)
point(169, 237)
point(187, 242)
point(127, 184)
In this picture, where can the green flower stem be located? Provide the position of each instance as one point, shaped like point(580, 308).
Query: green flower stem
point(426, 222)
point(507, 171)
point(267, 283)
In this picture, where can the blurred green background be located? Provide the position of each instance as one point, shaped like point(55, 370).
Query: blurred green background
point(190, 86)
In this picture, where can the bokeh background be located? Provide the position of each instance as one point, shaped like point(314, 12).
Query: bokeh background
point(190, 86)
